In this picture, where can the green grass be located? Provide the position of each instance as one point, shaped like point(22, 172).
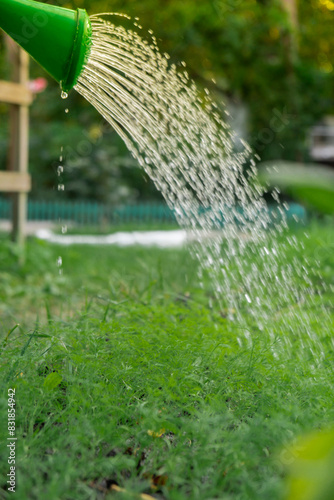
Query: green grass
point(125, 377)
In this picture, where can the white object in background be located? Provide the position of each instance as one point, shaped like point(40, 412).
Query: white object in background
point(162, 239)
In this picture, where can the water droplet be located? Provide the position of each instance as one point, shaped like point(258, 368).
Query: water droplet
point(189, 152)
point(64, 95)
point(248, 298)
point(66, 110)
point(61, 187)
point(59, 261)
point(60, 170)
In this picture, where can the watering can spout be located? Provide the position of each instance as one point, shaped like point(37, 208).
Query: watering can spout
point(58, 39)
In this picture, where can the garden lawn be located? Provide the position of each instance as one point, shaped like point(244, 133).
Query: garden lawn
point(128, 384)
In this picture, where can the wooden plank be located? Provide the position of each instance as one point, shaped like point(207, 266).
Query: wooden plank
point(15, 182)
point(15, 93)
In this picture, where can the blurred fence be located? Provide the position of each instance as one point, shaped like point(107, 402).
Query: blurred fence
point(91, 213)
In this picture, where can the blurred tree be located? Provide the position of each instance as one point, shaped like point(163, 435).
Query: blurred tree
point(291, 7)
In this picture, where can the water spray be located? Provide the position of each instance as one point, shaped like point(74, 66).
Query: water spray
point(58, 39)
point(182, 142)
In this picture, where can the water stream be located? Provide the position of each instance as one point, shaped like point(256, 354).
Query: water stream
point(181, 141)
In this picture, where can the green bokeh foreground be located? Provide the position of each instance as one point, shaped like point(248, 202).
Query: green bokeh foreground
point(125, 378)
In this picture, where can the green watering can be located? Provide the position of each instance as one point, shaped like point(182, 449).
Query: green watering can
point(58, 39)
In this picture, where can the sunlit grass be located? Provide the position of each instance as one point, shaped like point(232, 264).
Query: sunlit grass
point(127, 380)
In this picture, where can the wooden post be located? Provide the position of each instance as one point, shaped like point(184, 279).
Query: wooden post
point(19, 136)
point(16, 179)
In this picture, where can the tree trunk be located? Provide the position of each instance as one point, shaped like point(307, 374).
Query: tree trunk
point(291, 7)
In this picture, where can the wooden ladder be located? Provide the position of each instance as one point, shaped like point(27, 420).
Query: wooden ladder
point(16, 179)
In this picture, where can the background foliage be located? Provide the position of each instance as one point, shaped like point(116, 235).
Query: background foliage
point(283, 78)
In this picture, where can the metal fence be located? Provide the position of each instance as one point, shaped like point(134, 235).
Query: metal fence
point(92, 213)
